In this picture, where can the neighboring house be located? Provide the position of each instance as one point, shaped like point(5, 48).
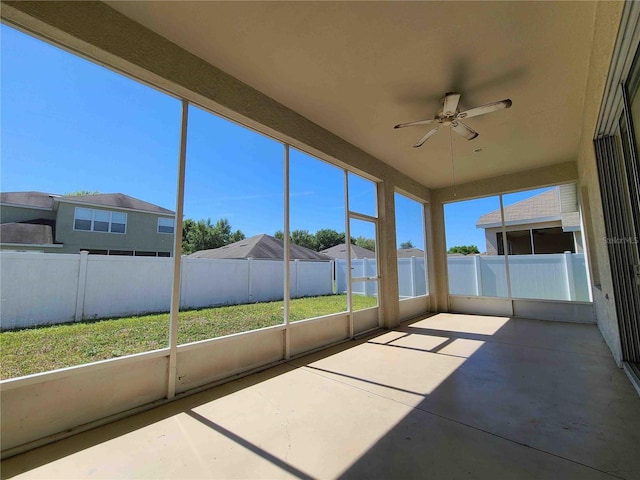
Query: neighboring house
point(339, 252)
point(263, 247)
point(545, 223)
point(106, 224)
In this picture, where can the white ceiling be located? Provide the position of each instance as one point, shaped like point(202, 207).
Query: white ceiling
point(358, 68)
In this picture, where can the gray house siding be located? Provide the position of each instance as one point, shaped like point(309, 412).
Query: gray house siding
point(141, 233)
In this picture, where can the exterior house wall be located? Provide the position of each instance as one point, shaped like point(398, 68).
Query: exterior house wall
point(141, 233)
point(608, 16)
point(491, 240)
point(9, 214)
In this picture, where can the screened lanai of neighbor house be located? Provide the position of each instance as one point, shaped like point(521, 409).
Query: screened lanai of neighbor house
point(484, 323)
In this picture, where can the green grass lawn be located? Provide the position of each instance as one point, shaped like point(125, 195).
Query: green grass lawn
point(23, 352)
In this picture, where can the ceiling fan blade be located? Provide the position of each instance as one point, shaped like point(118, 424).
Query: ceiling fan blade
point(426, 137)
point(488, 108)
point(464, 130)
point(450, 104)
point(411, 124)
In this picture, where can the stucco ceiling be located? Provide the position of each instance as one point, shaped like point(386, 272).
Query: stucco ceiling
point(358, 68)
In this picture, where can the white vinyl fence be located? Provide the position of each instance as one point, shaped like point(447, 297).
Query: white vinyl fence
point(412, 278)
point(361, 267)
point(47, 288)
point(558, 276)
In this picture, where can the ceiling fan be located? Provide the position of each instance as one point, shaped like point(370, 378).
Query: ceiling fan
point(451, 116)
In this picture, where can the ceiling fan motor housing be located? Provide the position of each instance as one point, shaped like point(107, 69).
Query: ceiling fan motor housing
point(450, 114)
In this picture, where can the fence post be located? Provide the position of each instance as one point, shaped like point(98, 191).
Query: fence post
point(568, 269)
point(342, 287)
point(334, 277)
point(296, 262)
point(249, 280)
point(364, 274)
point(183, 284)
point(82, 285)
point(478, 269)
point(413, 276)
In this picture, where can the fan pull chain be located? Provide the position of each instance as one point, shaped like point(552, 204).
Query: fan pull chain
point(453, 170)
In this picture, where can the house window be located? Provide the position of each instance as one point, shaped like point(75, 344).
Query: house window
point(83, 219)
point(139, 253)
point(118, 222)
point(166, 225)
point(92, 220)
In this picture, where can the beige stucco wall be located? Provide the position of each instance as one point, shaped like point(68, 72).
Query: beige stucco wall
point(608, 16)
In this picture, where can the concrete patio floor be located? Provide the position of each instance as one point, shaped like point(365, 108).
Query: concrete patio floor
point(447, 396)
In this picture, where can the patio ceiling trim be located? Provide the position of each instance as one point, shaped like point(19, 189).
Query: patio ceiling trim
point(557, 174)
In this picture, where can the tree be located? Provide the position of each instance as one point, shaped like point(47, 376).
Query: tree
point(368, 243)
point(202, 235)
point(237, 236)
point(464, 249)
point(197, 235)
point(81, 192)
point(322, 239)
point(223, 234)
point(406, 245)
point(327, 238)
point(304, 239)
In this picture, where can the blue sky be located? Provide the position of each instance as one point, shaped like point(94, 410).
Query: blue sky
point(460, 221)
point(68, 125)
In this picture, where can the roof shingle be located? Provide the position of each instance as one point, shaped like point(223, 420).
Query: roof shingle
point(543, 205)
point(340, 252)
point(28, 199)
point(260, 246)
point(117, 200)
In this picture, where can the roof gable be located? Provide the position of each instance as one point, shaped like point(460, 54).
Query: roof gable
point(410, 252)
point(541, 206)
point(340, 252)
point(260, 246)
